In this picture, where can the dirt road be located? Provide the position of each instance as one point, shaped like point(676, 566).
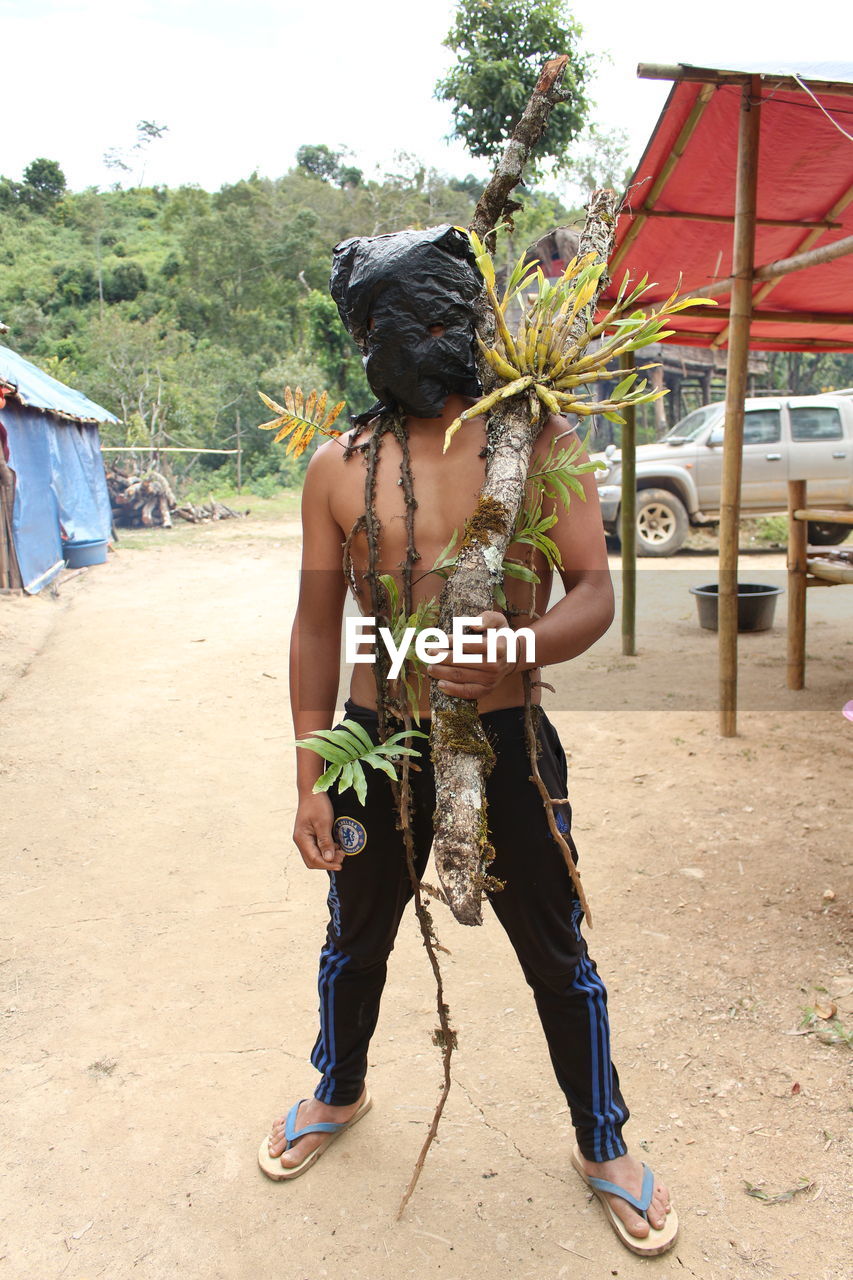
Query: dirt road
point(160, 940)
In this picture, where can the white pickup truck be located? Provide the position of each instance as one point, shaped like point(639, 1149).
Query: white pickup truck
point(785, 438)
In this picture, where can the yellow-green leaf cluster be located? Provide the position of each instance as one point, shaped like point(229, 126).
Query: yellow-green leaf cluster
point(300, 418)
point(547, 357)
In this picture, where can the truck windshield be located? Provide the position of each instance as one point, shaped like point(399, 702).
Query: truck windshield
point(691, 426)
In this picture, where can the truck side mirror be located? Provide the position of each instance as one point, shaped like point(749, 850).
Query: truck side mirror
point(715, 438)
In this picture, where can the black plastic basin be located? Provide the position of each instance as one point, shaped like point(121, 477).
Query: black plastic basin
point(756, 605)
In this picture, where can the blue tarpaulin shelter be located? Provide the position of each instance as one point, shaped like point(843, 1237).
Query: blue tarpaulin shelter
point(53, 446)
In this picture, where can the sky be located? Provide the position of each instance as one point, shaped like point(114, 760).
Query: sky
point(242, 85)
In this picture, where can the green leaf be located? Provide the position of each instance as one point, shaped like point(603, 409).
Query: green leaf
point(325, 749)
point(359, 782)
point(446, 557)
point(325, 780)
point(346, 777)
point(405, 733)
point(550, 551)
point(360, 732)
point(575, 484)
point(621, 388)
point(513, 570)
point(341, 737)
point(378, 763)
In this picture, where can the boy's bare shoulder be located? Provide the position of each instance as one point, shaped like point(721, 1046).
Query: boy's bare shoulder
point(329, 459)
point(557, 429)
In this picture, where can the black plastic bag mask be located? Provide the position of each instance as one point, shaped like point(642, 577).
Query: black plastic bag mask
point(408, 301)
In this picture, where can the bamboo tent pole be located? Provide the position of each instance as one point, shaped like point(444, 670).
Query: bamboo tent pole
point(628, 525)
point(718, 76)
point(782, 267)
point(798, 535)
point(736, 386)
point(147, 448)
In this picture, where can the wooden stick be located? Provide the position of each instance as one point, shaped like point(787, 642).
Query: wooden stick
point(136, 448)
point(548, 803)
point(628, 524)
point(715, 76)
point(683, 216)
point(10, 571)
point(777, 343)
point(834, 211)
point(775, 317)
point(824, 514)
point(736, 386)
point(782, 267)
point(509, 172)
point(797, 552)
point(469, 592)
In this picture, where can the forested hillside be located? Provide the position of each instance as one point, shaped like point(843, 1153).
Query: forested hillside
point(172, 307)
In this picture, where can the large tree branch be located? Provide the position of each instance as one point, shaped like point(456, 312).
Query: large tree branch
point(460, 752)
point(547, 93)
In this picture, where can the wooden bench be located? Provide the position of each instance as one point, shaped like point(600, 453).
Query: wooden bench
point(809, 567)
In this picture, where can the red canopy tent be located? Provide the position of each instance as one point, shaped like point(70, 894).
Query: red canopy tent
point(745, 192)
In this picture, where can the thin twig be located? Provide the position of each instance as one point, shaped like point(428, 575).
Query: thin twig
point(401, 791)
point(536, 779)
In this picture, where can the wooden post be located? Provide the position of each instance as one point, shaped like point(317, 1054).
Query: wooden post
point(628, 525)
point(743, 263)
point(798, 538)
point(10, 571)
point(657, 378)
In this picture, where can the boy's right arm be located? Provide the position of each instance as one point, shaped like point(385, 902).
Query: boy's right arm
point(315, 654)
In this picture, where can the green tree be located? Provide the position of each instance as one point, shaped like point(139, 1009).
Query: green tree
point(10, 193)
point(321, 162)
point(803, 373)
point(500, 47)
point(600, 160)
point(43, 185)
point(125, 282)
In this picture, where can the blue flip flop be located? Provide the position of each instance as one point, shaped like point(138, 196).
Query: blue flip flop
point(658, 1240)
point(272, 1166)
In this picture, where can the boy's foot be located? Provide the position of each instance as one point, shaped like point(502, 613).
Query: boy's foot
point(657, 1231)
point(276, 1155)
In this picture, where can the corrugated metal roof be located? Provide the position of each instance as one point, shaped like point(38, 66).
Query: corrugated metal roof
point(39, 390)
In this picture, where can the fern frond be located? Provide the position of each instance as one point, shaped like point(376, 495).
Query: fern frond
point(348, 747)
point(301, 419)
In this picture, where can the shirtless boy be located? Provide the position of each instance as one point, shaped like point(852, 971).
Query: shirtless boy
point(411, 332)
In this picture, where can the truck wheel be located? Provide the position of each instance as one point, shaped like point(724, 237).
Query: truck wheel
point(828, 535)
point(662, 524)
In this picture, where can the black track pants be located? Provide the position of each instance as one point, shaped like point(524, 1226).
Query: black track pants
point(537, 908)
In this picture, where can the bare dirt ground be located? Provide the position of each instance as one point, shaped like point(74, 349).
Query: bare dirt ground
point(159, 951)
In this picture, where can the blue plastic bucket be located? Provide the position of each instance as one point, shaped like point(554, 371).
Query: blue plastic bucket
point(80, 554)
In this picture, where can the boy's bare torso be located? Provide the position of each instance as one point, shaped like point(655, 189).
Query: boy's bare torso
point(446, 488)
